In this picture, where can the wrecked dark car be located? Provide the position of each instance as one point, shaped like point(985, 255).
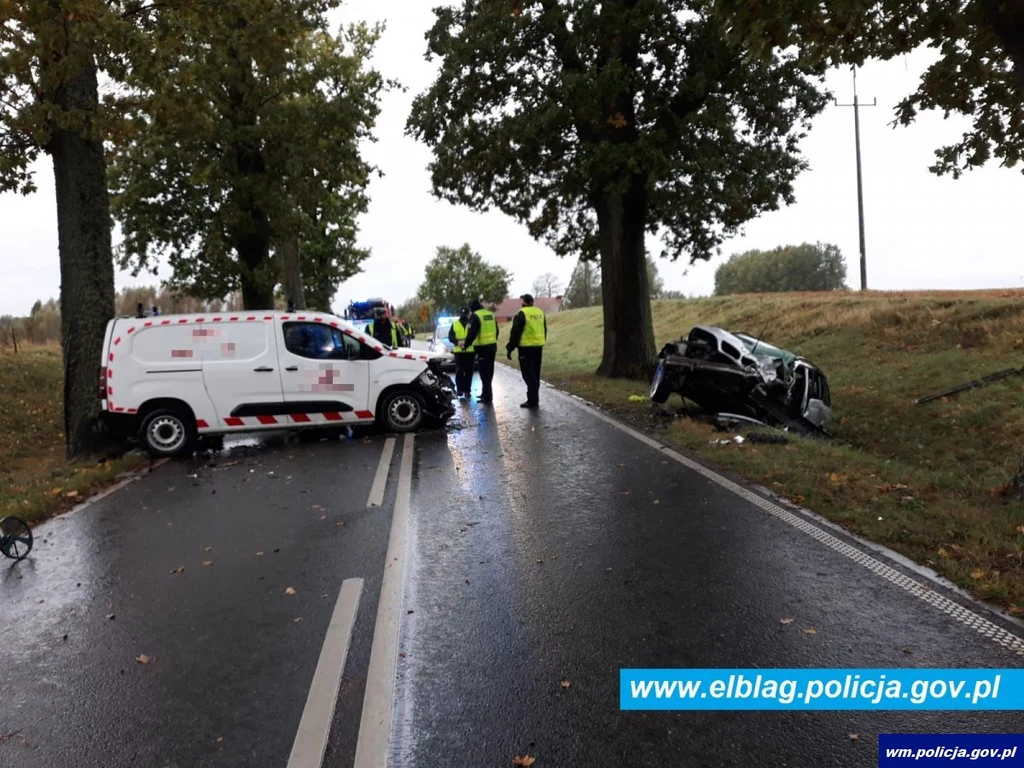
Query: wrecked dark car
point(742, 379)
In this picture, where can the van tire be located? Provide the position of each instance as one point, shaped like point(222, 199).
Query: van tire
point(168, 432)
point(402, 411)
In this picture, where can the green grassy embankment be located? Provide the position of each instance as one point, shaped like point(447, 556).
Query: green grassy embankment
point(36, 480)
point(924, 480)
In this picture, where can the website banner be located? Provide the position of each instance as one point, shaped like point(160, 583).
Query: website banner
point(929, 749)
point(823, 689)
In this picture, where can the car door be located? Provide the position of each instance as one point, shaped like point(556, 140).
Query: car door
point(324, 378)
point(240, 369)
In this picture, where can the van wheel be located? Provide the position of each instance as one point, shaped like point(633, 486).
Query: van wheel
point(402, 411)
point(167, 432)
point(661, 385)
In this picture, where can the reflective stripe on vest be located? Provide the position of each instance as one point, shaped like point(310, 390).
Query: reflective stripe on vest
point(488, 328)
point(461, 332)
point(533, 333)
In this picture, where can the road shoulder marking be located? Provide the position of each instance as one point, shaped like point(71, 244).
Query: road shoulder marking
point(970, 619)
point(380, 480)
point(375, 724)
point(315, 725)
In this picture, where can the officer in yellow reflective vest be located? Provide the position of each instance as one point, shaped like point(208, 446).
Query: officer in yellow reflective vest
point(529, 333)
point(464, 354)
point(483, 337)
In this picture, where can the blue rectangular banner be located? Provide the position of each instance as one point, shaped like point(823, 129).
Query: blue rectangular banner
point(922, 750)
point(821, 689)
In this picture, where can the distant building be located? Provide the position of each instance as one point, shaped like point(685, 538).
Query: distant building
point(506, 310)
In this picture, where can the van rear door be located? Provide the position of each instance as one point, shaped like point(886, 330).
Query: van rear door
point(240, 370)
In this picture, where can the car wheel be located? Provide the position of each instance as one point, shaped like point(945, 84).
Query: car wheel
point(661, 386)
point(402, 411)
point(168, 432)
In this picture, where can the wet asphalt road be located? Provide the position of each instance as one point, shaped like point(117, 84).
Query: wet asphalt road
point(543, 547)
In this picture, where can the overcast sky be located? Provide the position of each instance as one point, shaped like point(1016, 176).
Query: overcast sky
point(922, 231)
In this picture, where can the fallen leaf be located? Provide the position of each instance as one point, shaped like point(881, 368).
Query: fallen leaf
point(978, 574)
point(798, 499)
point(854, 736)
point(179, 569)
point(207, 549)
point(1016, 610)
point(340, 524)
point(1020, 529)
point(142, 658)
point(525, 760)
point(786, 621)
point(657, 502)
point(316, 506)
point(220, 739)
point(942, 552)
point(260, 553)
point(298, 619)
point(290, 591)
point(565, 683)
point(323, 517)
point(72, 494)
point(207, 562)
point(833, 478)
point(810, 631)
point(607, 569)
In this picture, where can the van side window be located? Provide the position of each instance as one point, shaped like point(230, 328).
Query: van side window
point(315, 341)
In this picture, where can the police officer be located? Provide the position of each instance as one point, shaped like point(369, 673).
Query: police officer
point(464, 354)
point(483, 337)
point(382, 329)
point(529, 333)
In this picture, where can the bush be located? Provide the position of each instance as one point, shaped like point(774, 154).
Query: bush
point(806, 267)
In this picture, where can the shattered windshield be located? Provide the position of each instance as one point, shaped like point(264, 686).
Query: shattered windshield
point(764, 348)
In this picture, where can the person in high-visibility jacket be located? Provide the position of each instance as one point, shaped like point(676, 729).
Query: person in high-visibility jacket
point(464, 354)
point(529, 334)
point(382, 329)
point(483, 337)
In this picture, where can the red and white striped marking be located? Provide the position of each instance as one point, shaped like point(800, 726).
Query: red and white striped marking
point(331, 417)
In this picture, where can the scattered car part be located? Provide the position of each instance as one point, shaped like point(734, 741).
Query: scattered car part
point(743, 376)
point(997, 376)
point(15, 538)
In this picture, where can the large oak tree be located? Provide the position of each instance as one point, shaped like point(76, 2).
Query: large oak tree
point(597, 124)
point(51, 53)
point(246, 143)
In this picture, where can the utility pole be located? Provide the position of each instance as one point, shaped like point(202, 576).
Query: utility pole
point(860, 183)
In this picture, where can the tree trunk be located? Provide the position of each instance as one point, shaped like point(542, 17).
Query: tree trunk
point(253, 247)
point(291, 272)
point(1017, 483)
point(629, 350)
point(86, 260)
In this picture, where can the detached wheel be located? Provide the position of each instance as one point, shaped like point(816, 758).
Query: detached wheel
point(402, 411)
point(661, 386)
point(168, 432)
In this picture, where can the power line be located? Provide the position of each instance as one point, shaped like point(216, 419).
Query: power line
point(860, 183)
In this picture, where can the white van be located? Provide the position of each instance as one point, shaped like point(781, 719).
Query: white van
point(170, 378)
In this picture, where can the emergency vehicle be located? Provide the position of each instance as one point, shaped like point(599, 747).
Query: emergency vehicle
point(171, 378)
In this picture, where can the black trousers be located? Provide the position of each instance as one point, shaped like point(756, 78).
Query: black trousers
point(485, 356)
point(529, 364)
point(464, 372)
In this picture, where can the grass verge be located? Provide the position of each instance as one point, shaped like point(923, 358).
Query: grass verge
point(924, 480)
point(36, 479)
